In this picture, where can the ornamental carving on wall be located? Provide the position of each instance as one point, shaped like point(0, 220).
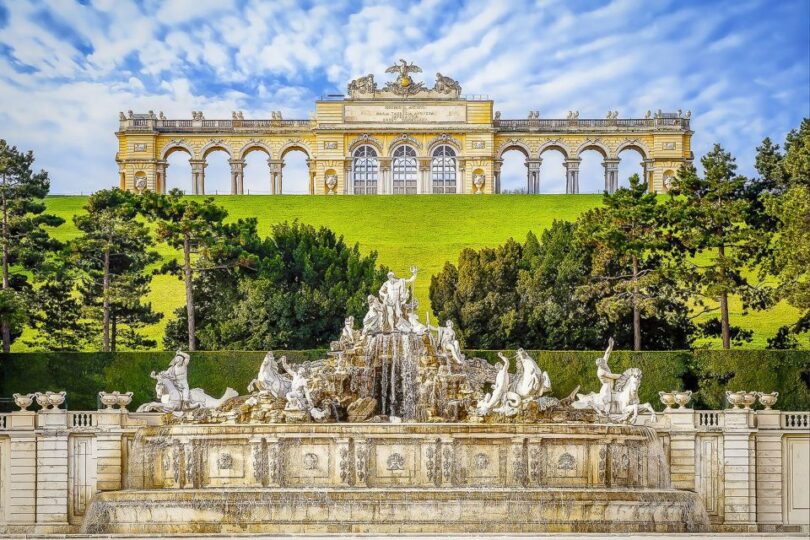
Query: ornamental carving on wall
point(365, 138)
point(444, 138)
point(310, 461)
point(404, 138)
point(395, 462)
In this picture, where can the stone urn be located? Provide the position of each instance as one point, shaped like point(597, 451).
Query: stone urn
point(667, 398)
point(682, 398)
point(124, 400)
point(768, 400)
point(748, 399)
point(735, 399)
point(24, 401)
point(42, 400)
point(108, 399)
point(56, 399)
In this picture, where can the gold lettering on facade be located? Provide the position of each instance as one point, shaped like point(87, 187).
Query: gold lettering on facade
point(404, 113)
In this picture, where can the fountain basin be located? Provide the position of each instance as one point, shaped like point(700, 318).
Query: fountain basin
point(408, 477)
point(370, 510)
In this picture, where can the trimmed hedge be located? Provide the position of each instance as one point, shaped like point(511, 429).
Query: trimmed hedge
point(707, 373)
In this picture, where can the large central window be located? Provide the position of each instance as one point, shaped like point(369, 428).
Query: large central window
point(443, 170)
point(364, 171)
point(404, 170)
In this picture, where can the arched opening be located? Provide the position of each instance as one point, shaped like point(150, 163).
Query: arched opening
point(443, 170)
point(404, 171)
point(630, 163)
point(591, 171)
point(217, 172)
point(295, 173)
point(552, 171)
point(365, 171)
point(513, 171)
point(178, 171)
point(256, 172)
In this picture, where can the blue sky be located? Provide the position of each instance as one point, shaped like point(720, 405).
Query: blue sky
point(67, 68)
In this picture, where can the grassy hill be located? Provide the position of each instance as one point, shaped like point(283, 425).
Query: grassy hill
point(423, 230)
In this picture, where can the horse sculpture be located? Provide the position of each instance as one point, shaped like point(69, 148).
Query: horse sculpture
point(624, 404)
point(269, 380)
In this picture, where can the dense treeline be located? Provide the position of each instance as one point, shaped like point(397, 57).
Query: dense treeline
point(639, 268)
point(643, 266)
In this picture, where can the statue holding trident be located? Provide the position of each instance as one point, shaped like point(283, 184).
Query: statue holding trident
point(394, 294)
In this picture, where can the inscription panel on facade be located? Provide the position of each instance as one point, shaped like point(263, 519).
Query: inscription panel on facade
point(404, 113)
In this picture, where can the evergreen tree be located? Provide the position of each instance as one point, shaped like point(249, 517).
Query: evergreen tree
point(196, 229)
point(113, 253)
point(24, 243)
point(58, 318)
point(707, 217)
point(790, 247)
point(627, 238)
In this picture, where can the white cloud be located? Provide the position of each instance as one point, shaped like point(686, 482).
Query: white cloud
point(742, 79)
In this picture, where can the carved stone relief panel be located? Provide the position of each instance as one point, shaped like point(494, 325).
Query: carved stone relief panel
point(566, 464)
point(395, 463)
point(307, 463)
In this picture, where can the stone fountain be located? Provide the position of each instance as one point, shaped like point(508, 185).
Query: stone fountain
point(396, 431)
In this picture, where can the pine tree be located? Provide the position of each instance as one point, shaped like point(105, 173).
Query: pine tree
point(24, 242)
point(58, 318)
point(627, 238)
point(112, 254)
point(707, 217)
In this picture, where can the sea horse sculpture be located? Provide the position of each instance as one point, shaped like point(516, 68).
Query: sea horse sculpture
point(499, 391)
point(269, 379)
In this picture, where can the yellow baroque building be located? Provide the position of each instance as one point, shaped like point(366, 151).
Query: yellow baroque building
point(403, 138)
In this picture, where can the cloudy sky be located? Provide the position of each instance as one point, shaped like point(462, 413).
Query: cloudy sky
point(67, 67)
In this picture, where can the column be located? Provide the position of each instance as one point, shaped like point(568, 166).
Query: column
point(385, 182)
point(572, 175)
point(739, 468)
point(160, 176)
point(21, 505)
point(647, 166)
point(611, 174)
point(424, 185)
point(769, 489)
point(197, 176)
point(533, 171)
point(108, 449)
point(52, 472)
point(682, 437)
point(275, 175)
point(496, 175)
point(311, 174)
point(237, 176)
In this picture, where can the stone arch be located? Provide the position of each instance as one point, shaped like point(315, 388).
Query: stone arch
point(514, 144)
point(599, 146)
point(213, 146)
point(554, 145)
point(366, 139)
point(404, 140)
point(174, 146)
point(443, 139)
point(633, 144)
point(291, 145)
point(250, 146)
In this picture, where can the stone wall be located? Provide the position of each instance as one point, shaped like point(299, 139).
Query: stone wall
point(752, 468)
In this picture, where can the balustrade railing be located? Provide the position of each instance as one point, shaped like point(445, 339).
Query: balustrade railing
point(83, 419)
point(662, 122)
point(709, 419)
point(795, 420)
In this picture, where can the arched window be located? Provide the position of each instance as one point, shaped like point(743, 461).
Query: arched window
point(364, 171)
point(443, 170)
point(404, 170)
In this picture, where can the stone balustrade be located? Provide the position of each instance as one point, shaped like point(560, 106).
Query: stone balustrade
point(751, 467)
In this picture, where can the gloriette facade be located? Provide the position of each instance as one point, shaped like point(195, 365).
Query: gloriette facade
point(403, 138)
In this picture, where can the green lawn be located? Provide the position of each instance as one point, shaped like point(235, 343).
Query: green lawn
point(420, 230)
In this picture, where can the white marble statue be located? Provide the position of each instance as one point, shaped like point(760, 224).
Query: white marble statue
point(416, 325)
point(347, 335)
point(373, 321)
point(299, 397)
point(618, 398)
point(530, 383)
point(448, 342)
point(270, 380)
point(173, 393)
point(394, 294)
point(498, 391)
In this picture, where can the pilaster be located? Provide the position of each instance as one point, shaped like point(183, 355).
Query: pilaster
point(52, 472)
point(682, 448)
point(739, 467)
point(769, 468)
